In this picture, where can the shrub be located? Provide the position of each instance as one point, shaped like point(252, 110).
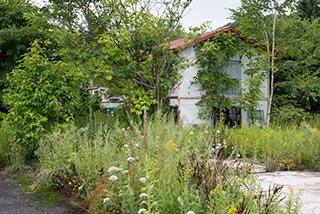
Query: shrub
point(289, 115)
point(5, 149)
point(42, 94)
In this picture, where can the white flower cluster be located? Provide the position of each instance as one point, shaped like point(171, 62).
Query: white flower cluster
point(142, 180)
point(130, 159)
point(114, 169)
point(142, 211)
point(105, 200)
point(113, 178)
point(143, 195)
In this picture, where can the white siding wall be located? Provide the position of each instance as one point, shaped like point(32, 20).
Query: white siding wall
point(187, 89)
point(187, 94)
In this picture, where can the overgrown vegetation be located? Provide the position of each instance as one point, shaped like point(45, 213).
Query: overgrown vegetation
point(292, 148)
point(165, 168)
point(124, 163)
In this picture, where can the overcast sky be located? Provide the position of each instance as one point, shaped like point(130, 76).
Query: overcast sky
point(215, 11)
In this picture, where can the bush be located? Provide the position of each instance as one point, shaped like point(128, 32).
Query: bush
point(42, 93)
point(289, 115)
point(5, 149)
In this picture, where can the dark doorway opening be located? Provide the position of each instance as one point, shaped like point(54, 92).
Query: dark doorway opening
point(230, 117)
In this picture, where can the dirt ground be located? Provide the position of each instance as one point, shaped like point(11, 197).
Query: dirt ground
point(14, 200)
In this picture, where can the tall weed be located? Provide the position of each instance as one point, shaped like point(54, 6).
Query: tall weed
point(280, 148)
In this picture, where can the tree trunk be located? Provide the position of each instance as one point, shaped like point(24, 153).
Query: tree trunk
point(274, 19)
point(157, 88)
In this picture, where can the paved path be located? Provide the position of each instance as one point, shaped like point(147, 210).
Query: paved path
point(306, 182)
point(14, 201)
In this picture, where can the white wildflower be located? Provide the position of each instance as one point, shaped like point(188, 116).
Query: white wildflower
point(114, 169)
point(137, 145)
point(80, 187)
point(126, 146)
point(113, 178)
point(105, 200)
point(218, 146)
point(191, 133)
point(142, 180)
point(142, 210)
point(190, 212)
point(218, 131)
point(143, 203)
point(143, 195)
point(130, 159)
point(181, 202)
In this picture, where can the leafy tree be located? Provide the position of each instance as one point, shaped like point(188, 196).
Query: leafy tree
point(133, 45)
point(42, 93)
point(212, 56)
point(251, 91)
point(258, 20)
point(308, 9)
point(17, 32)
point(297, 84)
point(146, 62)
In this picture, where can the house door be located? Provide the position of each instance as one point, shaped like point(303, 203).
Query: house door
point(175, 113)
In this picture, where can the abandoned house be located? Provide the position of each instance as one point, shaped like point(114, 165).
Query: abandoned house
point(186, 95)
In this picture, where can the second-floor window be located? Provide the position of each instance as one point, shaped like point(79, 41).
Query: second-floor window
point(234, 71)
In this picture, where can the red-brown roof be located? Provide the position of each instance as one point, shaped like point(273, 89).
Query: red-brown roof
point(180, 44)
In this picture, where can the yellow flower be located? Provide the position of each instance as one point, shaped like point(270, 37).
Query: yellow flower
point(232, 210)
point(290, 190)
point(245, 194)
point(171, 144)
point(314, 130)
point(216, 190)
point(267, 134)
